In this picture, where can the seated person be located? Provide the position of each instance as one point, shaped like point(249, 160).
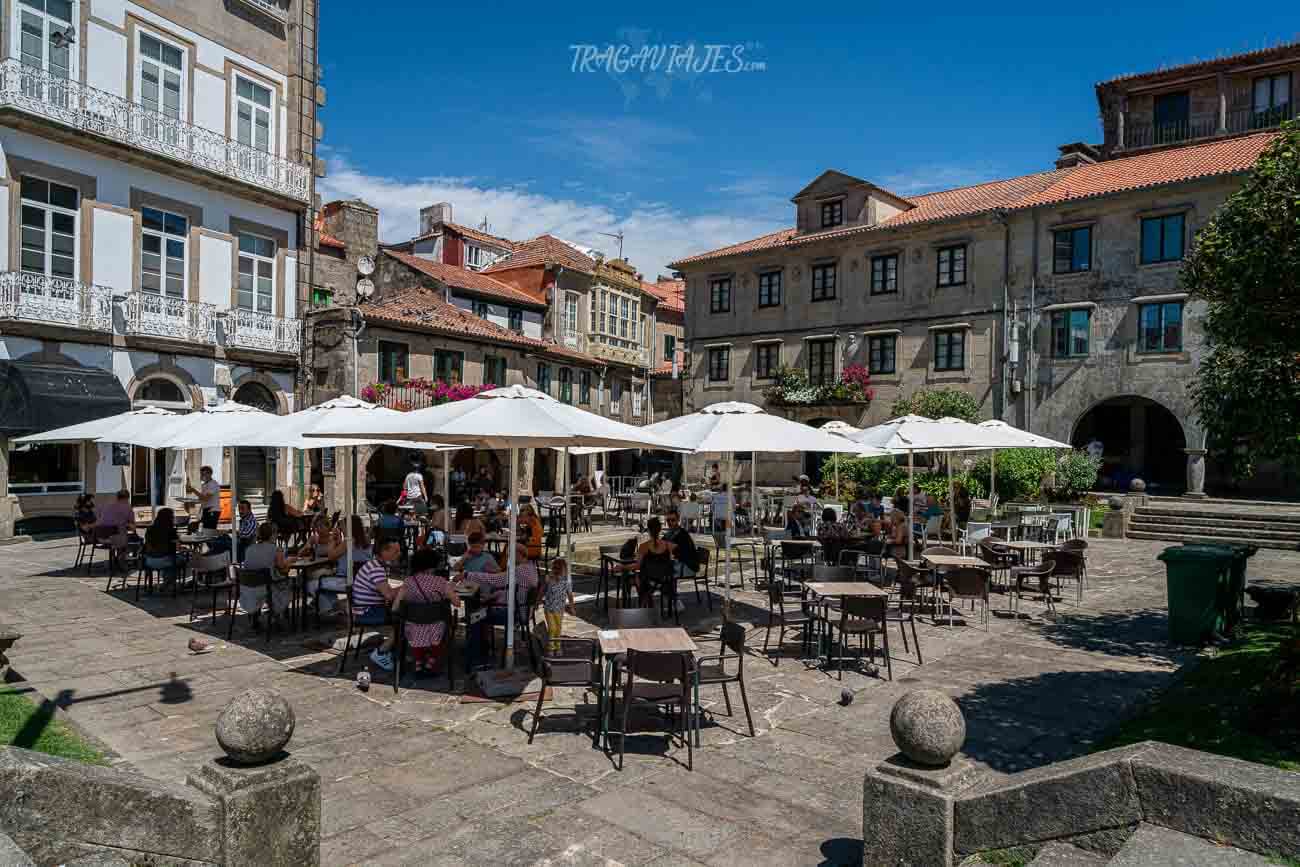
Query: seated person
point(465, 523)
point(117, 518)
point(897, 538)
point(685, 554)
point(283, 516)
point(372, 594)
point(85, 513)
point(795, 520)
point(246, 530)
point(160, 546)
point(428, 583)
point(654, 564)
point(437, 521)
point(476, 558)
point(390, 525)
point(332, 582)
point(830, 528)
point(875, 508)
point(494, 587)
point(264, 554)
point(530, 531)
point(314, 501)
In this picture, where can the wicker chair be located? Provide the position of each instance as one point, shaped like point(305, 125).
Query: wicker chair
point(970, 583)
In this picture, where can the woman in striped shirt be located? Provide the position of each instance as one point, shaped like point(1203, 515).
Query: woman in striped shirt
point(371, 595)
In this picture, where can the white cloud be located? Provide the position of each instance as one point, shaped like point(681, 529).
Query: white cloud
point(933, 178)
point(655, 233)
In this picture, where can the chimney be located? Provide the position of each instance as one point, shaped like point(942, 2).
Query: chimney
point(433, 215)
point(1076, 154)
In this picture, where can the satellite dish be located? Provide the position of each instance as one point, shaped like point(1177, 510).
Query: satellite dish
point(366, 266)
point(365, 287)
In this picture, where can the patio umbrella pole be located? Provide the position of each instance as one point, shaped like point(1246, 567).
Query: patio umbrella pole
point(952, 506)
point(568, 509)
point(993, 480)
point(726, 536)
point(753, 493)
point(234, 506)
point(349, 501)
point(514, 532)
point(446, 497)
point(911, 508)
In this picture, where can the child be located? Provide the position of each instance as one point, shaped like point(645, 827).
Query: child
point(556, 598)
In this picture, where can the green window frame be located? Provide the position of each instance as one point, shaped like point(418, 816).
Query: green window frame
point(1160, 327)
point(1162, 238)
point(516, 320)
point(566, 385)
point(494, 371)
point(1072, 250)
point(950, 349)
point(449, 366)
point(394, 359)
point(584, 387)
point(1071, 333)
point(544, 378)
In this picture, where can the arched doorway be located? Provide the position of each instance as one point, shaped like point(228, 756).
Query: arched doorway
point(1139, 439)
point(256, 469)
point(150, 467)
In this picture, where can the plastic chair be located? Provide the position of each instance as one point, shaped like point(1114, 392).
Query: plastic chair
point(970, 583)
point(973, 533)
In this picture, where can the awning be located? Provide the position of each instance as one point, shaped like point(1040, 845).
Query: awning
point(38, 397)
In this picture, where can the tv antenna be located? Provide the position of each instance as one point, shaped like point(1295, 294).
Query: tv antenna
point(619, 236)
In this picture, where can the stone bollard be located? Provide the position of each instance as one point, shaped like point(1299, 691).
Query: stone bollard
point(270, 802)
point(907, 800)
point(8, 638)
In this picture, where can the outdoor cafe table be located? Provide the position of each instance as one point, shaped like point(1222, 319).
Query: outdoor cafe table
point(194, 540)
point(653, 639)
point(301, 565)
point(1030, 550)
point(840, 590)
point(953, 561)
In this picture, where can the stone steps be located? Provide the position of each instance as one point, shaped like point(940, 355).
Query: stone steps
point(1211, 528)
point(1153, 846)
point(1266, 525)
point(1184, 538)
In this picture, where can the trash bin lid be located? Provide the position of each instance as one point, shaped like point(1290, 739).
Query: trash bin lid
point(1194, 552)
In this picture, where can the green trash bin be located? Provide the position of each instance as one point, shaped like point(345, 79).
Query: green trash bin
point(1197, 577)
point(1232, 593)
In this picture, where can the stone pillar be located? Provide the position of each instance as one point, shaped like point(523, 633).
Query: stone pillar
point(1222, 83)
point(908, 799)
point(1195, 473)
point(270, 802)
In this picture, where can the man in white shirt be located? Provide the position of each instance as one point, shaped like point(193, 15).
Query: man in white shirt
point(413, 488)
point(209, 494)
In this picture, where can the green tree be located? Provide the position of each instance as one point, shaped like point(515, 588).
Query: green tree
point(937, 403)
point(1245, 264)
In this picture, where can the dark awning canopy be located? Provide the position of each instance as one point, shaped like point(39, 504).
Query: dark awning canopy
point(36, 397)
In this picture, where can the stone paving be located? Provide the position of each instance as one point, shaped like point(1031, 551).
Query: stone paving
point(430, 779)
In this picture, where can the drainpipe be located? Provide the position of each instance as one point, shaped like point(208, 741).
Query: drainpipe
point(1000, 396)
point(1031, 333)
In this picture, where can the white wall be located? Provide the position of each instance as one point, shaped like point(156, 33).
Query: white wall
point(113, 250)
point(215, 277)
point(4, 226)
point(108, 478)
point(211, 103)
point(106, 53)
point(290, 287)
point(498, 314)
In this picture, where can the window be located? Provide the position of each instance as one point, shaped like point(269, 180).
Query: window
point(1271, 100)
point(625, 307)
point(494, 371)
point(482, 309)
point(767, 360)
point(720, 295)
point(720, 364)
point(163, 238)
point(1172, 117)
point(160, 390)
point(1070, 332)
point(615, 396)
point(821, 362)
point(45, 468)
point(584, 387)
point(950, 350)
point(832, 213)
point(253, 114)
point(769, 289)
point(544, 378)
point(823, 282)
point(566, 385)
point(604, 304)
point(636, 401)
point(1072, 250)
point(571, 314)
point(881, 349)
point(50, 224)
point(516, 319)
point(448, 366)
point(392, 361)
point(884, 274)
point(1162, 239)
point(1161, 327)
point(475, 258)
point(256, 273)
point(952, 265)
point(40, 21)
point(670, 347)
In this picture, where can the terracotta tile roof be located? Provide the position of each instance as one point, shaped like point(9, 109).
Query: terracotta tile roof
point(665, 368)
point(671, 294)
point(472, 234)
point(1208, 66)
point(466, 280)
point(1153, 169)
point(1174, 165)
point(323, 238)
point(425, 309)
point(544, 250)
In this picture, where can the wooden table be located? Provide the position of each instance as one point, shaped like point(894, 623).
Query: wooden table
point(953, 561)
point(656, 639)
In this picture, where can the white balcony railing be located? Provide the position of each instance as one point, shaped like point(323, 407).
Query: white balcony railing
point(151, 315)
point(248, 329)
point(54, 300)
point(268, 8)
point(105, 114)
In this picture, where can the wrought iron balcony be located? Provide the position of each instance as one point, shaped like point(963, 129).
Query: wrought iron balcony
point(26, 297)
point(248, 329)
point(150, 315)
point(1233, 122)
point(110, 116)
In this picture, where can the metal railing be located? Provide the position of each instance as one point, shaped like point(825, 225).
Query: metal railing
point(105, 114)
point(266, 7)
point(1144, 135)
point(249, 329)
point(151, 315)
point(28, 297)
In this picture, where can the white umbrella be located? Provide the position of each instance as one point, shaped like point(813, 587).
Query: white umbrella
point(1016, 439)
point(732, 427)
point(912, 434)
point(840, 428)
point(511, 418)
point(125, 427)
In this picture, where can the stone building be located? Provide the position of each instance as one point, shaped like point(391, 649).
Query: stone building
point(667, 379)
point(1052, 298)
point(157, 172)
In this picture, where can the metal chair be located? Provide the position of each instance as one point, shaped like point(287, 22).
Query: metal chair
point(865, 617)
point(973, 533)
point(575, 663)
point(732, 638)
point(970, 583)
point(425, 614)
point(211, 573)
point(777, 599)
point(1041, 574)
point(660, 680)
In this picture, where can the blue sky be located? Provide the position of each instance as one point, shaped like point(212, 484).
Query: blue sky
point(480, 105)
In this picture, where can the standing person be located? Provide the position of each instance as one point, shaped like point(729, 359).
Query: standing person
point(961, 502)
point(806, 497)
point(715, 478)
point(413, 491)
point(721, 510)
point(556, 599)
point(209, 494)
point(498, 583)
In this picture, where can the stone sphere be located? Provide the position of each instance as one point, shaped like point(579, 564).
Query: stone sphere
point(255, 726)
point(1137, 486)
point(928, 727)
point(1116, 503)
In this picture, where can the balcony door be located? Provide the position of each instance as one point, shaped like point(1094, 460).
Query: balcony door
point(159, 87)
point(45, 38)
point(50, 218)
point(254, 124)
